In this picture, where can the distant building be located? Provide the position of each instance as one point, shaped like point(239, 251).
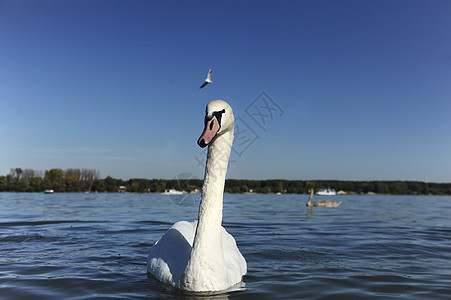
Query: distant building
point(122, 189)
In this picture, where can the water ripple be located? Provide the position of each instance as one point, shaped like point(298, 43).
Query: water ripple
point(69, 246)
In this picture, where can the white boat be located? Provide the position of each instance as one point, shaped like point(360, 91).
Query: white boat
point(172, 192)
point(49, 191)
point(326, 192)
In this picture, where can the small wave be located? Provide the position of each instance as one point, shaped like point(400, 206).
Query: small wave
point(44, 222)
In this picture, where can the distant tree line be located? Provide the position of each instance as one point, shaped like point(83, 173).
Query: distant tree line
point(87, 180)
point(28, 180)
point(356, 187)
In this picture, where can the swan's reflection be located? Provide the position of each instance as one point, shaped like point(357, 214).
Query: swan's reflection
point(310, 212)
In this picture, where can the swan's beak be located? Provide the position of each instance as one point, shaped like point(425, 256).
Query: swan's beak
point(212, 127)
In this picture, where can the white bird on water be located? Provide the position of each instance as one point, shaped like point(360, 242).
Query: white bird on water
point(207, 80)
point(321, 203)
point(201, 256)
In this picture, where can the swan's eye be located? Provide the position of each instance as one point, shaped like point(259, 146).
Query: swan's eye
point(211, 124)
point(218, 115)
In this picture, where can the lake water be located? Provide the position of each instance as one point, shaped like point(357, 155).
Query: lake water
point(94, 246)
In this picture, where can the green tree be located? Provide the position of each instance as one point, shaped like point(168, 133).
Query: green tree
point(3, 184)
point(53, 179)
point(244, 189)
point(36, 184)
point(19, 172)
point(110, 184)
point(381, 187)
point(98, 186)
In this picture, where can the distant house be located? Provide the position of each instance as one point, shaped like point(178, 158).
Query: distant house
point(122, 189)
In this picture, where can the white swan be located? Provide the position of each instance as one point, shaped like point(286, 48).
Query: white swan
point(321, 203)
point(207, 80)
point(201, 256)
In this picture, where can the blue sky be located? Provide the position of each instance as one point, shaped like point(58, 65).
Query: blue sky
point(360, 90)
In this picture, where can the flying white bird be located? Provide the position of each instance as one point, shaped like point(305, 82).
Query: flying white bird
point(207, 80)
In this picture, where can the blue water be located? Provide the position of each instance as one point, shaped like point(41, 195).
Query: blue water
point(94, 246)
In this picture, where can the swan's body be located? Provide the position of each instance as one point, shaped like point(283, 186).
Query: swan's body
point(201, 256)
point(207, 80)
point(321, 203)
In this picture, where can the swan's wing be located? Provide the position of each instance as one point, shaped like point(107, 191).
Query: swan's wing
point(168, 257)
point(235, 262)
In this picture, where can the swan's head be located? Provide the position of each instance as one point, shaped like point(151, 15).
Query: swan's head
point(218, 120)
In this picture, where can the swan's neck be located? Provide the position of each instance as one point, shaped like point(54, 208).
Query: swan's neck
point(310, 199)
point(210, 209)
point(206, 269)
